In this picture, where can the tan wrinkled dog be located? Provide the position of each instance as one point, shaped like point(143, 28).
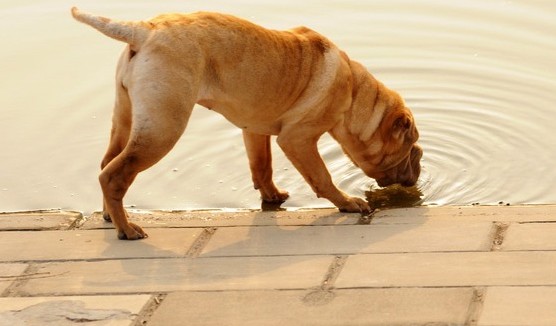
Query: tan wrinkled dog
point(295, 84)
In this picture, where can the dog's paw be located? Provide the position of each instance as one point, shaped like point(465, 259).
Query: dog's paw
point(355, 205)
point(106, 217)
point(133, 232)
point(277, 197)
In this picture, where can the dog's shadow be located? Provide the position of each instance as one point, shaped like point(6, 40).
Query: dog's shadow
point(333, 233)
point(130, 266)
point(269, 252)
point(273, 251)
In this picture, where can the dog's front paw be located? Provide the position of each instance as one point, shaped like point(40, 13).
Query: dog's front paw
point(355, 205)
point(133, 232)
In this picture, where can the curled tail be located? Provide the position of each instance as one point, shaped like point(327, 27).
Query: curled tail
point(133, 33)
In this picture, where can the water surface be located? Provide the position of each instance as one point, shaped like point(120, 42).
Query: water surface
point(480, 77)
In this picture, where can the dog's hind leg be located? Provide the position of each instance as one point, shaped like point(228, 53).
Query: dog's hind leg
point(260, 163)
point(159, 117)
point(119, 136)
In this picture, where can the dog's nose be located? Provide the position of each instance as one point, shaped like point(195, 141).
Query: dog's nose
point(385, 182)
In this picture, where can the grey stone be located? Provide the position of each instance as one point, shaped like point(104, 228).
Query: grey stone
point(530, 236)
point(517, 306)
point(215, 218)
point(349, 239)
point(413, 306)
point(164, 275)
point(67, 311)
point(449, 269)
point(93, 244)
point(424, 214)
point(39, 220)
point(9, 273)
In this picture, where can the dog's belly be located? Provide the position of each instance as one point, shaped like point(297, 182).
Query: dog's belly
point(256, 120)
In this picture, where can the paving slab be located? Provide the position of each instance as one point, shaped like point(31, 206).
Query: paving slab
point(530, 236)
point(517, 306)
point(349, 239)
point(449, 269)
point(9, 273)
point(215, 218)
point(93, 244)
point(165, 275)
point(118, 310)
point(341, 307)
point(423, 214)
point(38, 220)
point(408, 267)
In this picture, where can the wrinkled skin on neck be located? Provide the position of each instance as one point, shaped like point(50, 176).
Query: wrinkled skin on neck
point(378, 132)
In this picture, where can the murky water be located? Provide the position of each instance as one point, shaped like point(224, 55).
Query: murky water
point(480, 77)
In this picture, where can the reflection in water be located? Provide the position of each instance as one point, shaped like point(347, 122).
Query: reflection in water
point(479, 76)
point(394, 196)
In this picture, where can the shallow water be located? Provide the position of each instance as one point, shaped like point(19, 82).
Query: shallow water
point(480, 77)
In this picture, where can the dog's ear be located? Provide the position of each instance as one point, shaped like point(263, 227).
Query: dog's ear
point(402, 123)
point(403, 127)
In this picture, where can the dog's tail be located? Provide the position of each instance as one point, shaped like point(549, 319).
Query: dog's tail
point(133, 33)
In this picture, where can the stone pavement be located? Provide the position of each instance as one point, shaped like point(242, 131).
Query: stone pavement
point(472, 265)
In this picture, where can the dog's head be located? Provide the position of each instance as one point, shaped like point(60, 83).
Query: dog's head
point(399, 159)
point(379, 133)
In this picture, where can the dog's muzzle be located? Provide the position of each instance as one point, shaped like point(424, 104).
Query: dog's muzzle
point(406, 172)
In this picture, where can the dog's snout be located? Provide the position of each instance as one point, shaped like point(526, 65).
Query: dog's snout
point(406, 172)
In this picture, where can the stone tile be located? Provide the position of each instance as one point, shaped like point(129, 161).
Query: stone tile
point(517, 306)
point(530, 236)
point(349, 239)
point(9, 273)
point(93, 244)
point(341, 307)
point(414, 215)
point(449, 269)
point(424, 214)
point(118, 310)
point(40, 220)
point(164, 275)
point(216, 218)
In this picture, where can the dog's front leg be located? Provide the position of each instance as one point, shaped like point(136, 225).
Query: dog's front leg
point(304, 155)
point(260, 163)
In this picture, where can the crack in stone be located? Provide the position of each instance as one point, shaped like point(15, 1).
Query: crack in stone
point(498, 235)
point(62, 312)
point(148, 310)
point(475, 306)
point(324, 294)
point(199, 244)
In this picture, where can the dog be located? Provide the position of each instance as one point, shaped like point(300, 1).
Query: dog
point(295, 84)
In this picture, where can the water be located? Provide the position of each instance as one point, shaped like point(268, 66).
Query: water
point(480, 77)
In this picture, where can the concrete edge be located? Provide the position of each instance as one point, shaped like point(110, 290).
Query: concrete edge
point(297, 217)
point(38, 220)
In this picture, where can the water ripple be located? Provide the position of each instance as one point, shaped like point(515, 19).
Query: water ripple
point(480, 77)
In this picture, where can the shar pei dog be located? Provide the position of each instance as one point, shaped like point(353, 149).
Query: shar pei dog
point(295, 84)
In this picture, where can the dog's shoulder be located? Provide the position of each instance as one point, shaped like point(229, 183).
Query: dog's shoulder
point(316, 39)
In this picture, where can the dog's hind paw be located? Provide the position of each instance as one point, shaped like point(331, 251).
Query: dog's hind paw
point(277, 197)
point(106, 217)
